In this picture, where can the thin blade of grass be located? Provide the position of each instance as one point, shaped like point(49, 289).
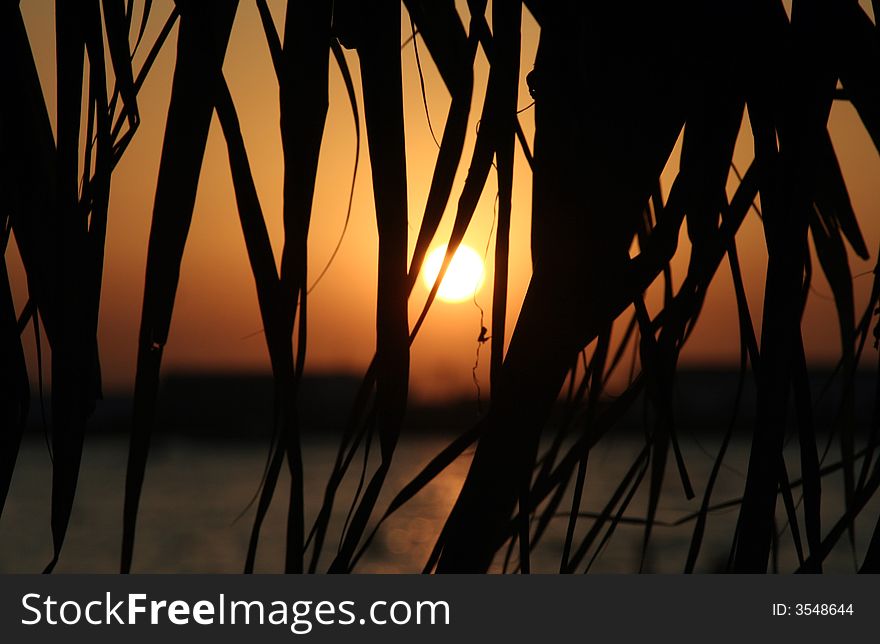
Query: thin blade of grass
point(120, 56)
point(352, 435)
point(794, 116)
point(833, 258)
point(28, 160)
point(339, 57)
point(475, 182)
point(597, 371)
point(702, 517)
point(121, 143)
point(507, 20)
point(871, 562)
point(145, 17)
point(27, 168)
point(272, 39)
point(626, 482)
point(379, 54)
point(659, 390)
point(262, 261)
point(453, 51)
point(832, 197)
point(319, 527)
point(71, 404)
point(843, 524)
point(186, 133)
point(809, 453)
point(859, 69)
point(436, 466)
point(304, 102)
point(617, 519)
point(14, 384)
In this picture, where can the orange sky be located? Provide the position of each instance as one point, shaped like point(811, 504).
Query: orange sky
point(216, 320)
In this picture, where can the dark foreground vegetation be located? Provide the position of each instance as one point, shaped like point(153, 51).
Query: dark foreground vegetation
point(607, 115)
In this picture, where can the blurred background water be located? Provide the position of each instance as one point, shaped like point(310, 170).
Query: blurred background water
point(212, 441)
point(196, 490)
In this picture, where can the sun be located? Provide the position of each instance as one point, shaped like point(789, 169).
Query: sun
point(463, 278)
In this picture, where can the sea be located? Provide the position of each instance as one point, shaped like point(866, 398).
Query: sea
point(197, 509)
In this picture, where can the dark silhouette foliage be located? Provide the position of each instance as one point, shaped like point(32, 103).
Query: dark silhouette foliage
point(614, 88)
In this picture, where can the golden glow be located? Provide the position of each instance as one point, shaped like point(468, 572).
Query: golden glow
point(463, 278)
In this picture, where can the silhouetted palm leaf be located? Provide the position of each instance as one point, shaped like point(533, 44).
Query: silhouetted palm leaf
point(614, 88)
point(201, 45)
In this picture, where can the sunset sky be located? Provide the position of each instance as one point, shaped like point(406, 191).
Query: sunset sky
point(216, 324)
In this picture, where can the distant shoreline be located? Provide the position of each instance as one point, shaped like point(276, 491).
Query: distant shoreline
point(238, 406)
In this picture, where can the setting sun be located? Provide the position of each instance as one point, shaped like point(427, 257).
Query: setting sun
point(463, 278)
